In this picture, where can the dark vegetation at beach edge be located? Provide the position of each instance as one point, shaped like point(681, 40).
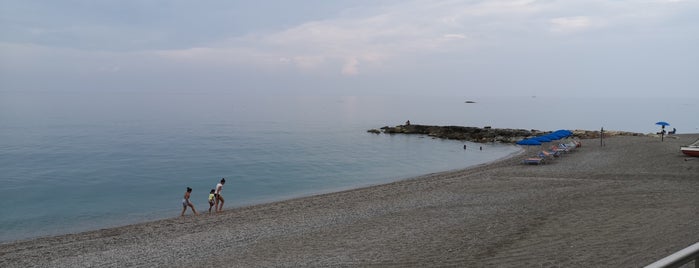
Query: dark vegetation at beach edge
point(487, 134)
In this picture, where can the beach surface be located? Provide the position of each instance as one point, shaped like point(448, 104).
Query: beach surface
point(625, 204)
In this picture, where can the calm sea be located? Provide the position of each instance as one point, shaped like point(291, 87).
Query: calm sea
point(77, 162)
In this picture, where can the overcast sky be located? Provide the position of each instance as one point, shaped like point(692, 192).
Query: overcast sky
point(619, 48)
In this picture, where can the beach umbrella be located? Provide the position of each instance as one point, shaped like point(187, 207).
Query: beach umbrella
point(563, 133)
point(541, 139)
point(553, 136)
point(529, 142)
point(559, 134)
point(662, 124)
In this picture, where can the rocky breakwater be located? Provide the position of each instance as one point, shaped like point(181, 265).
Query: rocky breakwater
point(487, 134)
point(595, 134)
point(473, 134)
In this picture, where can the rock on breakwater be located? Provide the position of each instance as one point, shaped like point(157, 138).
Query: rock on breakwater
point(595, 134)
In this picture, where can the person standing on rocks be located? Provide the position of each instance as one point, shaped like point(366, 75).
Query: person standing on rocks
point(217, 194)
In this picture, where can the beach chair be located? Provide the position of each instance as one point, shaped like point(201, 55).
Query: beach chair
point(577, 143)
point(570, 146)
point(559, 149)
point(556, 151)
point(547, 155)
point(533, 160)
point(564, 147)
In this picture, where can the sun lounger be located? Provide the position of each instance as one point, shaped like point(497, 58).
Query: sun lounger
point(577, 143)
point(569, 146)
point(533, 161)
point(559, 149)
point(564, 147)
point(556, 151)
point(547, 154)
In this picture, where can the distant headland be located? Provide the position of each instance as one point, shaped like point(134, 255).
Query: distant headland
point(487, 134)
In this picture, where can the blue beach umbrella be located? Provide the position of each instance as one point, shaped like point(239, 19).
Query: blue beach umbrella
point(662, 123)
point(542, 139)
point(563, 133)
point(553, 136)
point(529, 142)
point(559, 135)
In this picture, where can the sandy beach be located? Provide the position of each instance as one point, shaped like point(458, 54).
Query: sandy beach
point(625, 204)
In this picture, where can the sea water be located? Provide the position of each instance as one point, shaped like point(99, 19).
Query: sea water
point(77, 162)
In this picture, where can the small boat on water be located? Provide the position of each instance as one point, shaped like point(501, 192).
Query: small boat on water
point(691, 150)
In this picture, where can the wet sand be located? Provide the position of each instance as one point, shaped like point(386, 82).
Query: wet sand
point(626, 204)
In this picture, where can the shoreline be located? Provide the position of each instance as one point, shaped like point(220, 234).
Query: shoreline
point(319, 193)
point(253, 187)
point(589, 208)
point(145, 219)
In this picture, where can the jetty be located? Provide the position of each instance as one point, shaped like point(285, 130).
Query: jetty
point(487, 134)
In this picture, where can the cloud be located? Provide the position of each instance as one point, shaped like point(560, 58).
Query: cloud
point(351, 67)
point(342, 44)
point(373, 39)
point(370, 38)
point(570, 24)
point(454, 36)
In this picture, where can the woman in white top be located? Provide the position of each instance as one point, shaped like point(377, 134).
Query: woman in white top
point(219, 198)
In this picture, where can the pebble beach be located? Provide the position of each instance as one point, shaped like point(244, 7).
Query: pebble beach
point(625, 204)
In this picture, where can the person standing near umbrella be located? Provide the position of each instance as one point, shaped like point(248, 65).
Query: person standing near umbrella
point(662, 129)
point(662, 133)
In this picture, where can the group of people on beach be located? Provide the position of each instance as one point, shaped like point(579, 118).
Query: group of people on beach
point(215, 199)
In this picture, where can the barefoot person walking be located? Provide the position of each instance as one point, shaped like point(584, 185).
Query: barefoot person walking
point(219, 198)
point(212, 199)
point(186, 203)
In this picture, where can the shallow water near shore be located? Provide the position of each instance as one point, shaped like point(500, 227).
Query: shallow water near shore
point(72, 163)
point(94, 165)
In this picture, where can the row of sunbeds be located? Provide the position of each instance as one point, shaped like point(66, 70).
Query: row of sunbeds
point(553, 152)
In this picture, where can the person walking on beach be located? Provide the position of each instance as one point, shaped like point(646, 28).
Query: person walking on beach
point(212, 199)
point(217, 194)
point(185, 202)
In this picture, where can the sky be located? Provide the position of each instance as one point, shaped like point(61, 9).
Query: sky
point(586, 48)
